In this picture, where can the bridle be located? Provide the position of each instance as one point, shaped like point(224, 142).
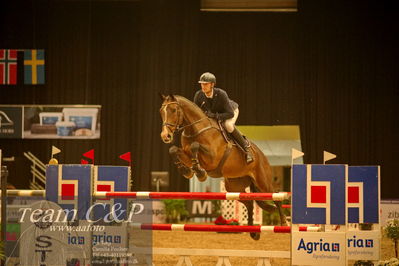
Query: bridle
point(180, 120)
point(169, 126)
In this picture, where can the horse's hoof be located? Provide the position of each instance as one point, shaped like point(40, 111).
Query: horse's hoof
point(202, 178)
point(187, 174)
point(200, 173)
point(255, 236)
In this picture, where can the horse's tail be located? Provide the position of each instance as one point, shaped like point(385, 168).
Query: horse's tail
point(262, 204)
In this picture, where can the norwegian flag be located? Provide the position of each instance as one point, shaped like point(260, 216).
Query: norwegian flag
point(8, 66)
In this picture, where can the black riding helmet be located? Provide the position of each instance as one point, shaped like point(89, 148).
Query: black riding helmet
point(207, 77)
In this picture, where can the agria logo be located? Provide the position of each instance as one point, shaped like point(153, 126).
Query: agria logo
point(312, 246)
point(354, 242)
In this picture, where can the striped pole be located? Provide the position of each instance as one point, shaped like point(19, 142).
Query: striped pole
point(25, 193)
point(167, 195)
point(195, 195)
point(221, 228)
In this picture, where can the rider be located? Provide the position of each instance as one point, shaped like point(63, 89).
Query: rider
point(216, 104)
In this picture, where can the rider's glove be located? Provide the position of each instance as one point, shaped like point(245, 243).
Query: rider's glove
point(212, 115)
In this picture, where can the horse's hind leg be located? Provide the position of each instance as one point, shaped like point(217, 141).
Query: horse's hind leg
point(283, 219)
point(180, 159)
point(261, 203)
point(249, 204)
point(267, 206)
point(199, 171)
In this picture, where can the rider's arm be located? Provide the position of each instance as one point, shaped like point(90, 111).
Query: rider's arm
point(228, 111)
point(197, 99)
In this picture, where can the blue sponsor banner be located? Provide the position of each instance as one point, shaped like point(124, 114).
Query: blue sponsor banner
point(363, 194)
point(70, 186)
point(112, 178)
point(318, 194)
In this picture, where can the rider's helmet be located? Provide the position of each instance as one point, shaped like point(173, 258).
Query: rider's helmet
point(207, 77)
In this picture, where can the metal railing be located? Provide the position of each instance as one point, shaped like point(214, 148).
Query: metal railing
point(38, 171)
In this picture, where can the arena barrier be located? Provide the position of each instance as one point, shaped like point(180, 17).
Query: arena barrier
point(222, 254)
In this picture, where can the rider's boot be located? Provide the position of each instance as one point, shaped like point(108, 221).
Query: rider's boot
point(244, 145)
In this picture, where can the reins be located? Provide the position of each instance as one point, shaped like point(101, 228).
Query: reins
point(182, 128)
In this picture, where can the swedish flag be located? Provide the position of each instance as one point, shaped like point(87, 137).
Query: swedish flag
point(34, 66)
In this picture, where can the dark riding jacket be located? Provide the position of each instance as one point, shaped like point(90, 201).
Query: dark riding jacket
point(219, 104)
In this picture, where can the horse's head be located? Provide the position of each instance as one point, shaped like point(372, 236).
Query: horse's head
point(172, 117)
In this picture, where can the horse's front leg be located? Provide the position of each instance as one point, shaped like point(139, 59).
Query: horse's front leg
point(199, 171)
point(182, 161)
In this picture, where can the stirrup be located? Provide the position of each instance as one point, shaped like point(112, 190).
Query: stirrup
point(249, 158)
point(248, 154)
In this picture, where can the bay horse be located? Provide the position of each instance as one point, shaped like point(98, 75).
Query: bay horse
point(206, 152)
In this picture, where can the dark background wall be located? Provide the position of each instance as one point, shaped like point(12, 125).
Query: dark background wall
point(331, 68)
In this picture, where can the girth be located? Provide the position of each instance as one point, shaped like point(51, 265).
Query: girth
point(217, 172)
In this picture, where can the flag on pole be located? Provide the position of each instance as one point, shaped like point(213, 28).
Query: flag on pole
point(8, 66)
point(296, 154)
point(126, 157)
point(328, 156)
point(89, 154)
point(34, 66)
point(54, 150)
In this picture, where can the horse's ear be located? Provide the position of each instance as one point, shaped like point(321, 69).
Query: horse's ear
point(172, 97)
point(163, 97)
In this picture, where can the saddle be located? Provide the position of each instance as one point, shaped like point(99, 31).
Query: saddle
point(228, 138)
point(217, 172)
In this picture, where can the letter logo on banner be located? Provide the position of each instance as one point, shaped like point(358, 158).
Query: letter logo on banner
point(363, 194)
point(111, 179)
point(70, 187)
point(318, 194)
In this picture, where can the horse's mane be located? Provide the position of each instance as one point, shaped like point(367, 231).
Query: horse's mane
point(187, 102)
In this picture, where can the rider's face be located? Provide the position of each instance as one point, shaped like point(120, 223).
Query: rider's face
point(207, 88)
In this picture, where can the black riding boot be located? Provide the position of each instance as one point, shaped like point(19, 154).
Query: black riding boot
point(243, 143)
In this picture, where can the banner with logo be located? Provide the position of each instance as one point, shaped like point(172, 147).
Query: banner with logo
point(50, 121)
point(311, 248)
point(11, 121)
point(341, 198)
point(64, 228)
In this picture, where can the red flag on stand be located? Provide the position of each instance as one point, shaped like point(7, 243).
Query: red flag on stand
point(90, 155)
point(126, 157)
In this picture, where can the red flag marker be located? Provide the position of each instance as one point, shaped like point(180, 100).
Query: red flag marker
point(90, 155)
point(126, 157)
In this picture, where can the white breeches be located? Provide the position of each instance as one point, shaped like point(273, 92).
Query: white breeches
point(229, 123)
